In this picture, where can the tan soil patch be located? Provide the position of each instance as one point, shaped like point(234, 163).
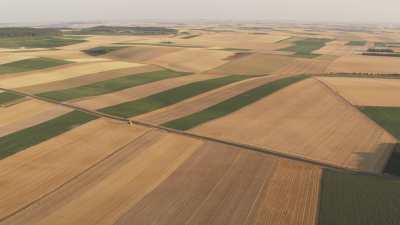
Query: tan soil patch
point(88, 79)
point(141, 53)
point(366, 92)
point(28, 114)
point(67, 72)
point(27, 176)
point(9, 58)
point(308, 120)
point(365, 64)
point(138, 92)
point(203, 101)
point(306, 66)
point(339, 48)
point(255, 64)
point(192, 60)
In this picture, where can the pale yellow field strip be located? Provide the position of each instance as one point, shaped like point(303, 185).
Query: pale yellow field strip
point(366, 91)
point(308, 120)
point(27, 176)
point(192, 60)
point(365, 64)
point(9, 58)
point(71, 71)
point(290, 197)
point(28, 114)
point(203, 101)
point(138, 92)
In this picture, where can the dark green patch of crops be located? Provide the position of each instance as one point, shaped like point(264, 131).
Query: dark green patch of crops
point(102, 50)
point(30, 64)
point(357, 43)
point(387, 117)
point(233, 104)
point(354, 199)
point(393, 165)
point(7, 97)
point(37, 42)
point(20, 140)
point(108, 86)
point(304, 48)
point(169, 97)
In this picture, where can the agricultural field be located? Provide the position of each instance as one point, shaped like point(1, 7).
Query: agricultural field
point(212, 124)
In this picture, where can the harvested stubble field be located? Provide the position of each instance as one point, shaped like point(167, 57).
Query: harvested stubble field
point(27, 114)
point(254, 64)
point(141, 53)
point(132, 94)
point(167, 179)
point(88, 79)
point(169, 97)
point(301, 125)
point(366, 91)
point(192, 60)
point(236, 102)
point(365, 64)
point(25, 138)
point(66, 72)
point(203, 101)
point(109, 86)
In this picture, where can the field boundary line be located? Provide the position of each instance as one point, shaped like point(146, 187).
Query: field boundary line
point(75, 177)
point(243, 146)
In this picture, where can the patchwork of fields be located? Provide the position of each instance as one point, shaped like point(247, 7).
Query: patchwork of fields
point(200, 126)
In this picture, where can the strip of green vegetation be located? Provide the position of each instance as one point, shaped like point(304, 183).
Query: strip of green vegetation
point(395, 54)
point(37, 42)
point(169, 97)
point(30, 64)
point(13, 32)
point(7, 97)
point(356, 43)
point(122, 30)
point(356, 199)
point(26, 138)
point(393, 165)
point(108, 86)
point(191, 36)
point(304, 48)
point(162, 44)
point(231, 105)
point(387, 117)
point(102, 50)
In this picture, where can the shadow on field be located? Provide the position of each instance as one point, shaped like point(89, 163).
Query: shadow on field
point(366, 159)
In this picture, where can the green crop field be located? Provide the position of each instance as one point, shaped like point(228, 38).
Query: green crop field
point(18, 141)
point(108, 86)
point(169, 97)
point(356, 43)
point(7, 97)
point(30, 64)
point(37, 42)
point(102, 50)
point(304, 48)
point(233, 104)
point(353, 199)
point(387, 117)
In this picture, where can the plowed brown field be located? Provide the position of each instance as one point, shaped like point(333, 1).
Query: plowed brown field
point(308, 120)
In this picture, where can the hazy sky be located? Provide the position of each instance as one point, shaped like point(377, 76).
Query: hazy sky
point(301, 10)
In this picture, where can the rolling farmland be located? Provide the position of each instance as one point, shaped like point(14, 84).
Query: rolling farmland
point(214, 124)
